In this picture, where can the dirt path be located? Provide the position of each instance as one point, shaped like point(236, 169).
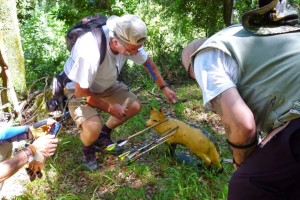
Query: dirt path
point(14, 185)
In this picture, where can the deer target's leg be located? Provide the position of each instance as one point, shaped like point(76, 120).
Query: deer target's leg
point(170, 150)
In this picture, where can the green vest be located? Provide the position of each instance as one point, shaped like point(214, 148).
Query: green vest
point(269, 73)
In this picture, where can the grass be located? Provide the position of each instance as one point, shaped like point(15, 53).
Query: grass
point(154, 176)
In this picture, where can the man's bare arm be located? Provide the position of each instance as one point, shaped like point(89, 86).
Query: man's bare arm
point(238, 122)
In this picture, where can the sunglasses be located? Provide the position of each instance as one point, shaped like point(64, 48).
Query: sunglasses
point(129, 52)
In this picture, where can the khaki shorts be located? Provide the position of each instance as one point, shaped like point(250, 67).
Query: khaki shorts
point(118, 93)
point(5, 153)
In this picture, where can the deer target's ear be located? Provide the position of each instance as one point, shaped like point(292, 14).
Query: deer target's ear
point(152, 110)
point(161, 113)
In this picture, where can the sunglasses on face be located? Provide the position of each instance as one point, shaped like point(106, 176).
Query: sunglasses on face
point(128, 51)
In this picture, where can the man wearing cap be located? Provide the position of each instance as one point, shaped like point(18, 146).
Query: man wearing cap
point(125, 37)
point(187, 51)
point(249, 75)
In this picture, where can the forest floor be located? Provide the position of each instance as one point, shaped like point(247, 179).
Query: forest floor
point(192, 112)
point(14, 186)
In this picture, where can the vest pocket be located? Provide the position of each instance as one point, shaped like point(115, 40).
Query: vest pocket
point(269, 114)
point(293, 113)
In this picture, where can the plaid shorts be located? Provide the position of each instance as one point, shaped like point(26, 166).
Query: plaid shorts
point(271, 172)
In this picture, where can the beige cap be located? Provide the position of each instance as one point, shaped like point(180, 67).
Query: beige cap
point(187, 52)
point(129, 28)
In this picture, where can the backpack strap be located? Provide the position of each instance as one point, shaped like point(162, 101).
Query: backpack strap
point(101, 39)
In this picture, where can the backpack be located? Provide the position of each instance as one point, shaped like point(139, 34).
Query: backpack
point(88, 24)
point(58, 101)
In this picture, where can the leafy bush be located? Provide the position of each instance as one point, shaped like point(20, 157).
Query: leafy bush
point(43, 45)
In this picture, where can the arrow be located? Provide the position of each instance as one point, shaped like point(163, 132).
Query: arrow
point(123, 142)
point(157, 143)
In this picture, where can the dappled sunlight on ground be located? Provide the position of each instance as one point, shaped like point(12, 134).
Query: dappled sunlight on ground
point(14, 186)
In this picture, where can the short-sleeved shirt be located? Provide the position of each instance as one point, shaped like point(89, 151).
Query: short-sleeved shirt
point(215, 72)
point(83, 64)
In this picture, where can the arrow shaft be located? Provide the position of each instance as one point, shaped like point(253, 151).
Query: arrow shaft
point(142, 131)
point(157, 143)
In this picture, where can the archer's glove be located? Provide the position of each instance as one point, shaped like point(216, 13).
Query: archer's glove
point(43, 127)
point(36, 166)
point(39, 129)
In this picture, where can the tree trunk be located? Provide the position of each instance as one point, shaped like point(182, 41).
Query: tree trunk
point(228, 7)
point(12, 43)
point(11, 54)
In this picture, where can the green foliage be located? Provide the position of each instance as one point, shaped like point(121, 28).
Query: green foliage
point(171, 25)
point(190, 15)
point(123, 7)
point(72, 11)
point(243, 6)
point(25, 9)
point(44, 23)
point(43, 45)
point(166, 35)
point(166, 39)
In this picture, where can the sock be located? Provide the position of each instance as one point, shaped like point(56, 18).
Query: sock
point(88, 149)
point(105, 132)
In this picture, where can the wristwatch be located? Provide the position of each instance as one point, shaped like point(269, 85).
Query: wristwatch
point(163, 86)
point(29, 154)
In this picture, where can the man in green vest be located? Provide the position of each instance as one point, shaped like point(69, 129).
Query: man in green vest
point(250, 76)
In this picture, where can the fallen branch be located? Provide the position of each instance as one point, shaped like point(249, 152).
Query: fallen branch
point(164, 100)
point(28, 101)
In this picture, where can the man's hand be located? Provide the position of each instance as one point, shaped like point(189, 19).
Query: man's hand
point(46, 145)
point(170, 94)
point(40, 128)
point(117, 111)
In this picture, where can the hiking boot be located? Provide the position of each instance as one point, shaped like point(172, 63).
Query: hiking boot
point(102, 143)
point(89, 158)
